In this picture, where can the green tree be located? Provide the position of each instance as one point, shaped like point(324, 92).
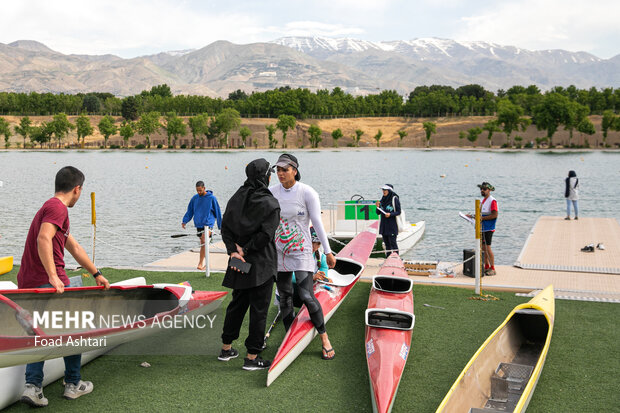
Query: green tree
point(271, 130)
point(357, 137)
point(284, 123)
point(24, 128)
point(518, 140)
point(5, 130)
point(378, 136)
point(107, 128)
point(91, 103)
point(462, 135)
point(198, 125)
point(41, 134)
point(401, 135)
point(130, 108)
point(315, 135)
point(607, 123)
point(491, 127)
point(575, 113)
point(429, 129)
point(228, 120)
point(509, 117)
point(337, 134)
point(127, 130)
point(587, 127)
point(551, 113)
point(60, 126)
point(148, 125)
point(161, 90)
point(472, 135)
point(84, 128)
point(213, 130)
point(244, 132)
point(175, 127)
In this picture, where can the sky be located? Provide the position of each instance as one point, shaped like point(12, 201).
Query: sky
point(132, 28)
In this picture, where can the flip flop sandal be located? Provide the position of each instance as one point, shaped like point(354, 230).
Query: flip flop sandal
point(324, 357)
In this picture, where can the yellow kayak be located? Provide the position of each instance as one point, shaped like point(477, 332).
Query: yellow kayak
point(503, 373)
point(6, 264)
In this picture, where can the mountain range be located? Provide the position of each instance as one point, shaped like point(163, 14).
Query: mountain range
point(356, 66)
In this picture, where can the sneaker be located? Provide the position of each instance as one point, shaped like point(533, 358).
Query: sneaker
point(73, 391)
point(226, 355)
point(490, 272)
point(33, 396)
point(257, 364)
point(588, 248)
point(600, 246)
point(576, 218)
point(567, 219)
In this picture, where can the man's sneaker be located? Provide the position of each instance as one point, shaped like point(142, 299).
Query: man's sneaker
point(73, 391)
point(257, 364)
point(226, 355)
point(33, 396)
point(490, 272)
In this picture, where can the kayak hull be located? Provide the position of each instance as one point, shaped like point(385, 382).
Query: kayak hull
point(350, 260)
point(506, 368)
point(387, 349)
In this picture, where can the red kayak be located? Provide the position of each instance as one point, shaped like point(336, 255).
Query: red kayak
point(389, 323)
point(350, 263)
point(37, 324)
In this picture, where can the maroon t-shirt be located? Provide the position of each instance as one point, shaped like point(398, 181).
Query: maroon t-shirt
point(32, 273)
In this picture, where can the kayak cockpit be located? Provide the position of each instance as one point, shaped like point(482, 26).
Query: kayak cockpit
point(345, 272)
point(390, 284)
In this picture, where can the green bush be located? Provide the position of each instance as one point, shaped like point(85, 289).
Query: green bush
point(184, 146)
point(159, 146)
point(140, 146)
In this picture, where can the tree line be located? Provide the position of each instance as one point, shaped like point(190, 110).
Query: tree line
point(514, 110)
point(423, 101)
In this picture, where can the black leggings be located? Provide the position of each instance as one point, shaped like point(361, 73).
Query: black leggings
point(305, 291)
point(390, 243)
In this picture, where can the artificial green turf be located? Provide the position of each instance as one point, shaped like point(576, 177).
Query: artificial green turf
point(579, 375)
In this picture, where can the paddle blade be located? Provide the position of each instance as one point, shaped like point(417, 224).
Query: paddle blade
point(178, 235)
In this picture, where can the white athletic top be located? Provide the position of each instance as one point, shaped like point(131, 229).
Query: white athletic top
point(299, 205)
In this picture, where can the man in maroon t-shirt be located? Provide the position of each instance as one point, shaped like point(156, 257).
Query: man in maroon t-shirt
point(43, 265)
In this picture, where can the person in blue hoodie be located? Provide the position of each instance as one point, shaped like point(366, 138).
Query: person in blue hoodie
point(205, 210)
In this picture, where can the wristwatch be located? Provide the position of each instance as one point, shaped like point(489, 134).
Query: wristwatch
point(97, 274)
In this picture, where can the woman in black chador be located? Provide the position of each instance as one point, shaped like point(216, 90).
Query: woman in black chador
point(389, 208)
point(248, 229)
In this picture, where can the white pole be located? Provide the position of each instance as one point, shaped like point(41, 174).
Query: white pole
point(477, 264)
point(207, 242)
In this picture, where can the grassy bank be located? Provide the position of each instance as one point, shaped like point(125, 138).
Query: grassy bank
point(578, 375)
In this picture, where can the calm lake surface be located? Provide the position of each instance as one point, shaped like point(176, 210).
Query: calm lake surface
point(141, 196)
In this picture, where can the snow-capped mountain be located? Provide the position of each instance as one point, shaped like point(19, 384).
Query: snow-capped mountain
point(356, 66)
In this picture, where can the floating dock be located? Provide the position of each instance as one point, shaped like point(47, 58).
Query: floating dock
point(551, 255)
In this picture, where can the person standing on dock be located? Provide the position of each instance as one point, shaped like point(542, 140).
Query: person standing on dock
point(205, 210)
point(300, 205)
point(43, 266)
point(571, 193)
point(389, 208)
point(488, 218)
point(248, 230)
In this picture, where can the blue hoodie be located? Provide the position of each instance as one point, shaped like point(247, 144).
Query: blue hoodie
point(205, 210)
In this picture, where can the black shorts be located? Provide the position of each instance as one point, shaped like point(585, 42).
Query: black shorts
point(487, 237)
point(200, 231)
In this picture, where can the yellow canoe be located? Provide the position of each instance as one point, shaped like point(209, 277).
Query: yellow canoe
point(503, 373)
point(6, 264)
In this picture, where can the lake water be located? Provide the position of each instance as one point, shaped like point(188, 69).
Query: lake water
point(141, 196)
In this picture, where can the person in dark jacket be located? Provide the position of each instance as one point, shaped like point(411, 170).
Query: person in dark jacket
point(389, 208)
point(248, 231)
